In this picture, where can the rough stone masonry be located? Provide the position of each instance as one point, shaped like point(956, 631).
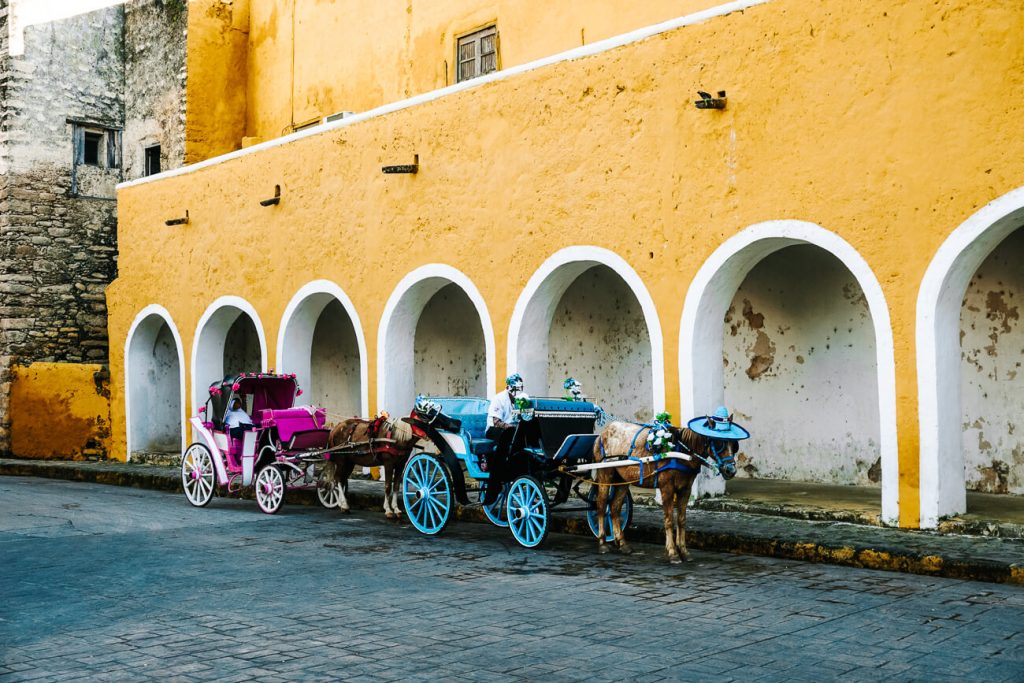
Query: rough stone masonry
point(65, 106)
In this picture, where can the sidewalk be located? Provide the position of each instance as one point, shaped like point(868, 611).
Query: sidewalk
point(736, 526)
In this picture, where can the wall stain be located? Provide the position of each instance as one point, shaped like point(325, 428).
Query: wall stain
point(994, 478)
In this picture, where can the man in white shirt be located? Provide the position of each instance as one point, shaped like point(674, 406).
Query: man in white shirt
point(501, 416)
point(236, 420)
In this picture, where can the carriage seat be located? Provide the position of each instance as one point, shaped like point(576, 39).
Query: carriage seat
point(472, 413)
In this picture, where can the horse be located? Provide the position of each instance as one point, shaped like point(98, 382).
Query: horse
point(383, 442)
point(673, 478)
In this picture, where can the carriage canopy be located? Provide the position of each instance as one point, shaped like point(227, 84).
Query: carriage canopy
point(268, 391)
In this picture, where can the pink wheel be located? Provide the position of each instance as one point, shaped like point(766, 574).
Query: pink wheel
point(269, 489)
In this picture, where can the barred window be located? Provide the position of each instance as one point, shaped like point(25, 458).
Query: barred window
point(477, 53)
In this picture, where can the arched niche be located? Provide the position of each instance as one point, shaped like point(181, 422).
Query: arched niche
point(154, 385)
point(430, 339)
point(229, 339)
point(585, 313)
point(321, 341)
point(713, 291)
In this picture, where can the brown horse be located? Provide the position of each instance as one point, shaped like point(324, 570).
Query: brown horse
point(674, 482)
point(383, 442)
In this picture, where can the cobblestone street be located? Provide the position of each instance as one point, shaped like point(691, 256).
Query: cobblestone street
point(109, 583)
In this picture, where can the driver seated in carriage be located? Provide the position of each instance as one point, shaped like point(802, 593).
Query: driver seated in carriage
point(501, 416)
point(236, 420)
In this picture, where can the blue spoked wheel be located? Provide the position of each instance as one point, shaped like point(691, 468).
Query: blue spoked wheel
point(526, 507)
point(427, 493)
point(625, 516)
point(496, 510)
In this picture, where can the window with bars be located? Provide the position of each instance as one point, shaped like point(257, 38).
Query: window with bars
point(477, 53)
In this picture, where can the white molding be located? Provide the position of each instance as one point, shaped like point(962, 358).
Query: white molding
point(594, 48)
point(942, 477)
point(199, 385)
point(573, 261)
point(711, 291)
point(403, 314)
point(299, 300)
point(160, 312)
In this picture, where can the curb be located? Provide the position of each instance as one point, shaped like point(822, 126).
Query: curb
point(995, 560)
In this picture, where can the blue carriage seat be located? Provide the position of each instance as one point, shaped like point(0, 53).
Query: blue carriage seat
point(472, 412)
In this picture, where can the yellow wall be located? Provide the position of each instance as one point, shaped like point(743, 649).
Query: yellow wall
point(60, 410)
point(888, 124)
point(215, 102)
point(352, 55)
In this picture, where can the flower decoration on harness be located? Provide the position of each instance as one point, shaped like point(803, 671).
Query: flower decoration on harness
point(659, 438)
point(573, 388)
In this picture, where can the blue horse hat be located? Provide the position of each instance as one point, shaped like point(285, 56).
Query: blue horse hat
point(719, 425)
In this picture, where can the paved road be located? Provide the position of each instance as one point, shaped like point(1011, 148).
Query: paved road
point(108, 583)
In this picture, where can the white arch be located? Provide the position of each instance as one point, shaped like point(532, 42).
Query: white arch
point(546, 287)
point(207, 363)
point(397, 330)
point(943, 481)
point(160, 312)
point(710, 293)
point(295, 334)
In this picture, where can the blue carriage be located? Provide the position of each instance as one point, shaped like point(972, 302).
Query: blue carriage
point(552, 439)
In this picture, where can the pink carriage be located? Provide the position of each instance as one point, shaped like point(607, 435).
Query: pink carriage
point(282, 448)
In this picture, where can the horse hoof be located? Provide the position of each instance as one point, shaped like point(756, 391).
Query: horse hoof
point(344, 511)
point(390, 515)
point(625, 549)
point(603, 549)
point(675, 560)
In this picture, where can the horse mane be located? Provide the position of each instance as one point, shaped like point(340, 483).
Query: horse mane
point(693, 441)
point(401, 431)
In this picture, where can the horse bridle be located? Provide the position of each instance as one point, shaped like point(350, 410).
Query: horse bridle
point(716, 453)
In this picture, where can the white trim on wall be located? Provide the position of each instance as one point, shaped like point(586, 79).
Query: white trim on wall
point(710, 293)
point(594, 48)
point(159, 312)
point(219, 315)
point(943, 480)
point(536, 306)
point(397, 330)
point(308, 306)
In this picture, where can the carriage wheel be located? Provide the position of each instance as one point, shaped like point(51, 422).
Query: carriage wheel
point(427, 493)
point(527, 508)
point(625, 516)
point(197, 475)
point(269, 489)
point(329, 496)
point(496, 510)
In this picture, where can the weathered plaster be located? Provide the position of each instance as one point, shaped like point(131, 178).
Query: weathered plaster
point(799, 366)
point(939, 308)
point(992, 371)
point(448, 351)
point(60, 410)
point(399, 323)
point(598, 335)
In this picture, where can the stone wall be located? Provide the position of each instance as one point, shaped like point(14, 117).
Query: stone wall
point(154, 46)
point(57, 228)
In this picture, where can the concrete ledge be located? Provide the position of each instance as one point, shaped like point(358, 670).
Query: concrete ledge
point(999, 560)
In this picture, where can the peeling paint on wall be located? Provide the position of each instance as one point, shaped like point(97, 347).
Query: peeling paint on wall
point(599, 336)
point(991, 373)
point(449, 349)
point(800, 373)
